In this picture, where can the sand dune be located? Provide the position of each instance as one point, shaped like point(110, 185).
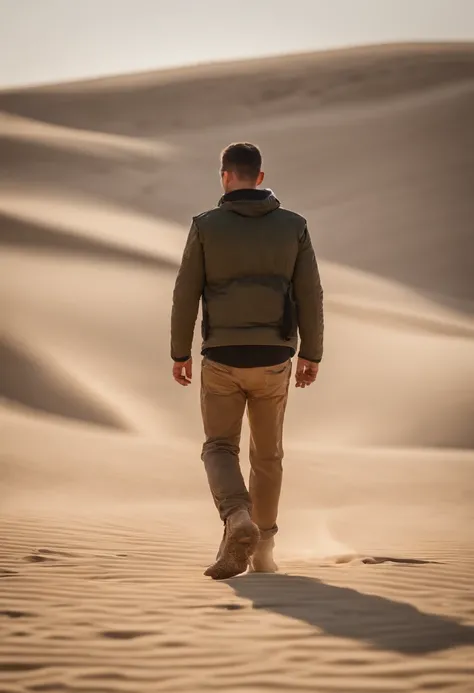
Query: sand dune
point(106, 520)
point(193, 98)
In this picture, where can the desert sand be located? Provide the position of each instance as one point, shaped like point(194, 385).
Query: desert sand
point(106, 520)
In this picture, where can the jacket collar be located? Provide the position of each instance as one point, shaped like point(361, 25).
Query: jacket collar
point(245, 194)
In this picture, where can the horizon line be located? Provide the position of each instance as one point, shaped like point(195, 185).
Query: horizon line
point(88, 80)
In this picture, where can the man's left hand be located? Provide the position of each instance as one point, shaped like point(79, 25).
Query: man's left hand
point(183, 372)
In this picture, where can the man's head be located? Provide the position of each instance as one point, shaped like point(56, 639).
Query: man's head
point(241, 165)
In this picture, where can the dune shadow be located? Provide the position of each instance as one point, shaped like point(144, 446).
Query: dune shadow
point(344, 612)
point(25, 234)
point(28, 381)
point(132, 180)
point(19, 154)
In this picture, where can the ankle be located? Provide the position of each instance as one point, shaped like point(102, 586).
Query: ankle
point(267, 544)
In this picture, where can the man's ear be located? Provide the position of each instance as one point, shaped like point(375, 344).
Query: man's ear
point(260, 178)
point(225, 178)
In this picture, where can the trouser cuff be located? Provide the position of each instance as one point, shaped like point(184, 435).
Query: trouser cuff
point(268, 533)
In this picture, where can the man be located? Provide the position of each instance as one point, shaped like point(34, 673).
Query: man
point(252, 264)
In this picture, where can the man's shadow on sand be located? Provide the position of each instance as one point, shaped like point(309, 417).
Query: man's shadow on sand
point(344, 612)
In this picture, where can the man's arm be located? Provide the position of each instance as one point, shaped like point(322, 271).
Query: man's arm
point(308, 294)
point(186, 296)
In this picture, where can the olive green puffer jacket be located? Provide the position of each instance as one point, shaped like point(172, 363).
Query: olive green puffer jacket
point(252, 264)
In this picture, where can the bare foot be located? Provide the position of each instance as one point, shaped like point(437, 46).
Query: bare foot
point(262, 560)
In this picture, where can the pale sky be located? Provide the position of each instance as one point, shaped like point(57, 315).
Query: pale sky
point(57, 40)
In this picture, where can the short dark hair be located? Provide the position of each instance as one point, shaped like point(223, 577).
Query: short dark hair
point(243, 158)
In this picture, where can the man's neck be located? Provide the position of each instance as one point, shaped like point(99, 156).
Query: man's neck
point(240, 187)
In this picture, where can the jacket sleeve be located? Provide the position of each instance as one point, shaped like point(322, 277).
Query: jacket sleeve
point(308, 294)
point(186, 296)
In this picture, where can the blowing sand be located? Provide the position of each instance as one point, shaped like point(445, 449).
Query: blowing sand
point(106, 520)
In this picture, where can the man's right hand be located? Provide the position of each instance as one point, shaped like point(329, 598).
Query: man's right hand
point(306, 372)
point(183, 372)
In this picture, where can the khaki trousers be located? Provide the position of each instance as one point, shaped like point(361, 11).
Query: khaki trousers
point(225, 393)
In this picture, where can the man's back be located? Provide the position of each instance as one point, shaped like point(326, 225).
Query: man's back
point(253, 264)
point(249, 234)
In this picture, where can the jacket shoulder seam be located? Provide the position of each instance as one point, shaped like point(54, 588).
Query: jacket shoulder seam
point(294, 214)
point(200, 217)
